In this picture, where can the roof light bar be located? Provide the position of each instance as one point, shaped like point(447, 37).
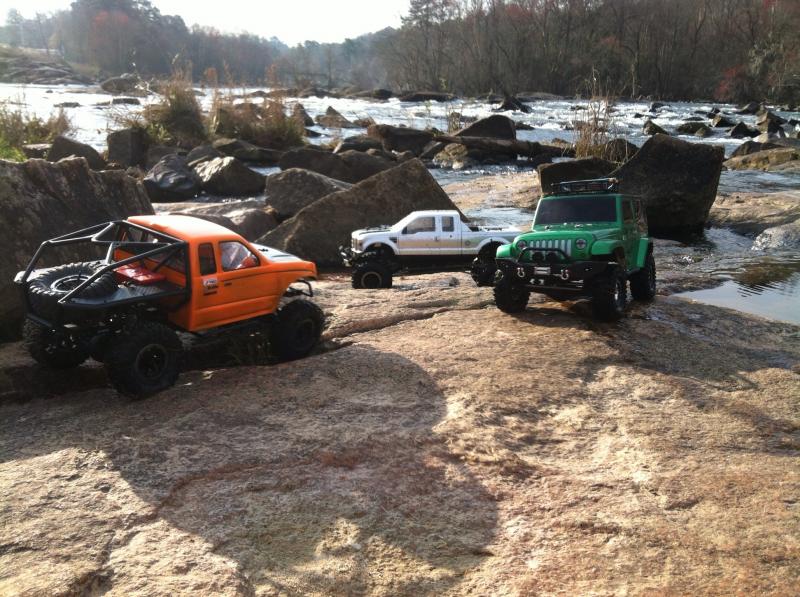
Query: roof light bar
point(574, 187)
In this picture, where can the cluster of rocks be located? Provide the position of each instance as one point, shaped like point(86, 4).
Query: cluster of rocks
point(25, 70)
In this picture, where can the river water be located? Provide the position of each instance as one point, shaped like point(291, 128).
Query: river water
point(751, 281)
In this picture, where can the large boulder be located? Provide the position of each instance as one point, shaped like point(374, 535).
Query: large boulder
point(349, 166)
point(127, 147)
point(202, 153)
point(64, 147)
point(291, 190)
point(378, 94)
point(677, 182)
point(300, 115)
point(400, 139)
point(513, 104)
point(229, 177)
point(40, 200)
point(741, 130)
point(495, 126)
point(358, 143)
point(317, 231)
point(651, 128)
point(769, 122)
point(749, 147)
point(618, 150)
point(171, 179)
point(247, 152)
point(585, 169)
point(251, 218)
point(690, 127)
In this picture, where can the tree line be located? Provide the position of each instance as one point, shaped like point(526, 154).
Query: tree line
point(727, 50)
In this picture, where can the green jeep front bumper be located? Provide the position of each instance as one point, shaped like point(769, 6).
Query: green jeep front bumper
point(561, 276)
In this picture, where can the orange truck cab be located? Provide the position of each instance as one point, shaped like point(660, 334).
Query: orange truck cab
point(230, 279)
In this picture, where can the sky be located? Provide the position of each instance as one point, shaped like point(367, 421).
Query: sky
point(291, 21)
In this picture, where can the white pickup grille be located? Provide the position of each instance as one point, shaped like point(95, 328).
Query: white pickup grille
point(564, 245)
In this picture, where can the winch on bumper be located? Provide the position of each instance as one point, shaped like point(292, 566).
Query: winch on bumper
point(547, 274)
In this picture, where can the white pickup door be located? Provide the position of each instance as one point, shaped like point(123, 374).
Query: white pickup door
point(432, 235)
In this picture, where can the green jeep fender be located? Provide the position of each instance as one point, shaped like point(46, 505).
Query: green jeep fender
point(605, 247)
point(504, 252)
point(644, 247)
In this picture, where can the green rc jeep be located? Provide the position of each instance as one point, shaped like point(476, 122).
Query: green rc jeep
point(587, 240)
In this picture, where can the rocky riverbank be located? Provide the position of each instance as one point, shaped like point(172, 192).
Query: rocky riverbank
point(427, 450)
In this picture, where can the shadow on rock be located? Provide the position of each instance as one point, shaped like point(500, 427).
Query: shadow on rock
point(320, 476)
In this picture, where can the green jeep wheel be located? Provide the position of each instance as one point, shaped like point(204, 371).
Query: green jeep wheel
point(610, 295)
point(643, 282)
point(510, 298)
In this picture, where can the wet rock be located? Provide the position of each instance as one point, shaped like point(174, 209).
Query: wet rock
point(769, 122)
point(348, 166)
point(749, 147)
point(332, 119)
point(229, 177)
point(703, 132)
point(771, 160)
point(619, 150)
point(317, 92)
point(202, 153)
point(300, 115)
point(431, 150)
point(247, 152)
point(457, 157)
point(785, 237)
point(358, 143)
point(741, 130)
point(41, 200)
point(317, 231)
point(523, 126)
point(395, 138)
point(64, 147)
point(691, 127)
point(651, 128)
point(251, 218)
point(584, 169)
point(656, 106)
point(125, 101)
point(67, 105)
point(513, 104)
point(127, 147)
point(171, 179)
point(676, 180)
point(750, 213)
point(721, 121)
point(127, 83)
point(378, 94)
point(427, 96)
point(155, 153)
point(750, 108)
point(36, 150)
point(364, 122)
point(495, 127)
point(291, 190)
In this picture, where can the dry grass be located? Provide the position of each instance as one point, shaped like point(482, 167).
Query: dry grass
point(18, 128)
point(594, 125)
point(264, 123)
point(178, 118)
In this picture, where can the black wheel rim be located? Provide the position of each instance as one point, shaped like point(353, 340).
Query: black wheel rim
point(151, 362)
point(68, 283)
point(619, 294)
point(371, 280)
point(651, 280)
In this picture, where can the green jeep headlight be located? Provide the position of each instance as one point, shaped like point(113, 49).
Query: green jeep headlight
point(521, 244)
point(581, 243)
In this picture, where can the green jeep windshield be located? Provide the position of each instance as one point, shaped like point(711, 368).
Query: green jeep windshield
point(575, 210)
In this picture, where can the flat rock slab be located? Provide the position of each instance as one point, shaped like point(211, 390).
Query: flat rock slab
point(468, 452)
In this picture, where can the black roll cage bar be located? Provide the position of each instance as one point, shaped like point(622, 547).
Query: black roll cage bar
point(168, 246)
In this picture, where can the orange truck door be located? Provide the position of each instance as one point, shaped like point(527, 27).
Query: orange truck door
point(234, 284)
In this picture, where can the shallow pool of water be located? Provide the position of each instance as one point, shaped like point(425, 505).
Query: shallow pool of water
point(768, 286)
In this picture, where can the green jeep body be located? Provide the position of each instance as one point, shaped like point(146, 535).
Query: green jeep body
point(587, 240)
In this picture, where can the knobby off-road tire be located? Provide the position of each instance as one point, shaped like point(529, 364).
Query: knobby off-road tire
point(510, 298)
point(372, 274)
point(643, 282)
point(610, 295)
point(45, 290)
point(483, 269)
point(53, 348)
point(144, 360)
point(296, 330)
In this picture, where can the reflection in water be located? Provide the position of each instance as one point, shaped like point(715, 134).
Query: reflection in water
point(769, 288)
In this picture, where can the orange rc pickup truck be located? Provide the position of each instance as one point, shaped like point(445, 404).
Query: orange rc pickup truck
point(155, 276)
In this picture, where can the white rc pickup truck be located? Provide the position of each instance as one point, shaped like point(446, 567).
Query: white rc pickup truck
point(423, 240)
